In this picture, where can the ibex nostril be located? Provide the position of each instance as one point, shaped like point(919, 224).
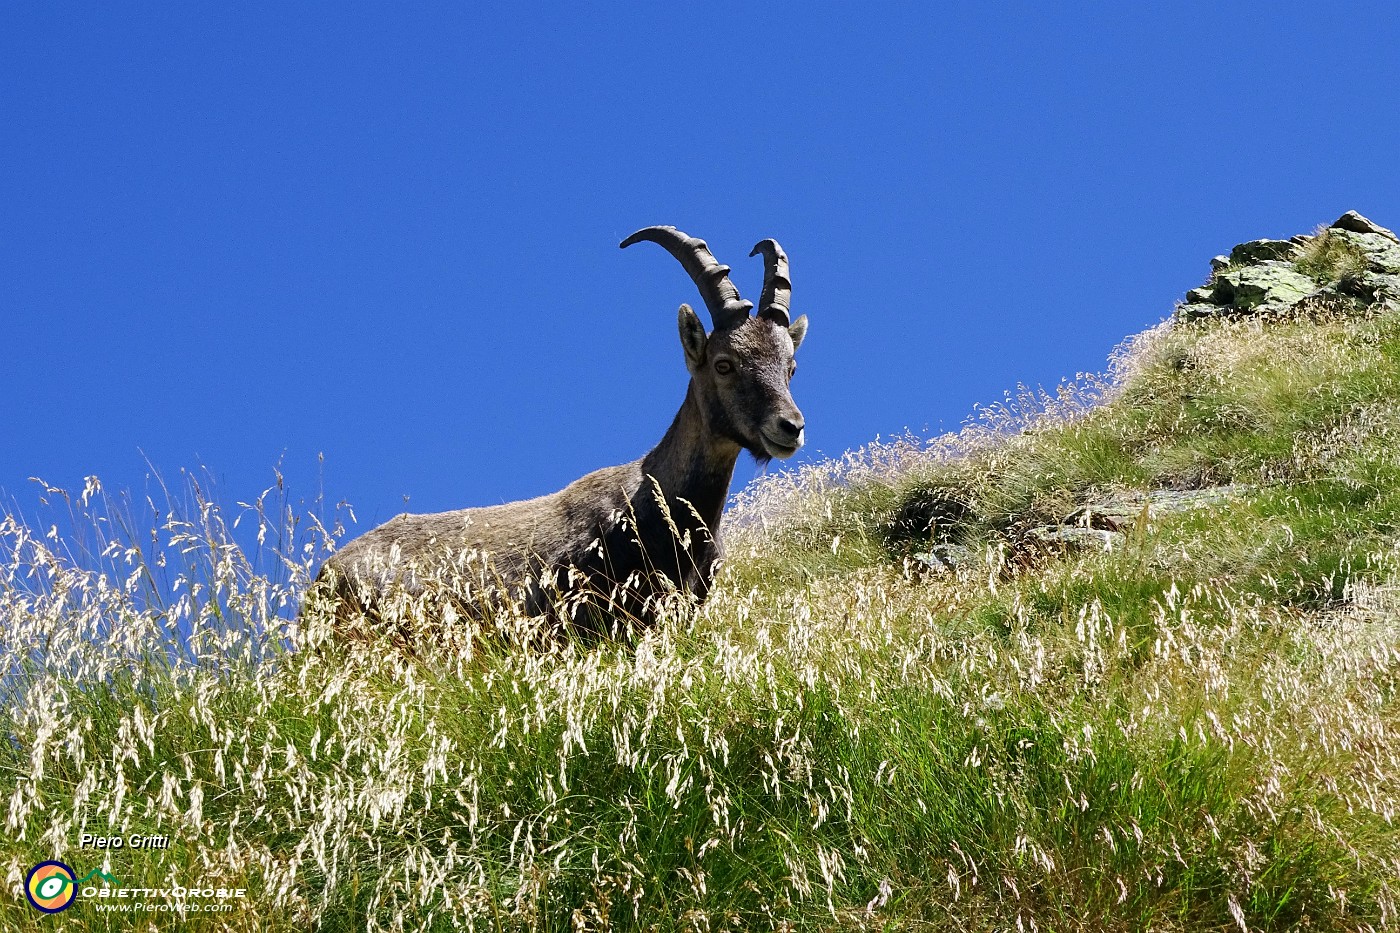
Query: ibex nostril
point(790, 427)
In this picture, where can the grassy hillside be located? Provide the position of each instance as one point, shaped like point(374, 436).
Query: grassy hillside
point(1123, 657)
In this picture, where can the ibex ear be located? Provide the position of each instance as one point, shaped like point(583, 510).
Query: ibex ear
point(797, 330)
point(692, 338)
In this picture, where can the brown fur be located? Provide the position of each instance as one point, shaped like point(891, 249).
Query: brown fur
point(611, 543)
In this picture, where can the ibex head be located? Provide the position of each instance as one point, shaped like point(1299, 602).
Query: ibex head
point(740, 370)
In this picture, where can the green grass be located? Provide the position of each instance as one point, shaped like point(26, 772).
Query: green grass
point(1194, 730)
point(1329, 258)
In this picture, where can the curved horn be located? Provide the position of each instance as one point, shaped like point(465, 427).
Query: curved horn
point(727, 309)
point(777, 286)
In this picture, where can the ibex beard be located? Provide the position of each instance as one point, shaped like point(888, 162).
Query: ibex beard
point(614, 550)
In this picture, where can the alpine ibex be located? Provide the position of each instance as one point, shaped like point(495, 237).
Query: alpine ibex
point(613, 541)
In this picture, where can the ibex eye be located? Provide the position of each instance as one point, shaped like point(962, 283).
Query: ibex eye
point(724, 367)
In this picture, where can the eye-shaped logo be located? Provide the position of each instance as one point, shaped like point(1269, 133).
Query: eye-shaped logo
point(51, 887)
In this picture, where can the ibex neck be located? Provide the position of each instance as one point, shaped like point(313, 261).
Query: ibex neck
point(693, 464)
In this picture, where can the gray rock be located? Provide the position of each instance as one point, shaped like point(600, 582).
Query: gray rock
point(1073, 538)
point(1379, 286)
point(1354, 222)
point(942, 558)
point(1117, 513)
point(1186, 500)
point(1268, 285)
point(1382, 253)
point(1103, 525)
point(1194, 311)
point(1262, 250)
point(1259, 276)
point(1344, 296)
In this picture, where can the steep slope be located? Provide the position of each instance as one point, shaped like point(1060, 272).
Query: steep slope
point(1122, 656)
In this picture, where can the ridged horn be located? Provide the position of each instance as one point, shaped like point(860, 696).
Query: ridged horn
point(727, 309)
point(777, 286)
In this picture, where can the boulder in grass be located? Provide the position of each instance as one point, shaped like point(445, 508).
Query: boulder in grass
point(1068, 538)
point(1121, 512)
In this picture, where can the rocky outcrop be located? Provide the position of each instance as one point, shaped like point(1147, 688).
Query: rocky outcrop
point(1351, 265)
point(1104, 524)
point(1246, 287)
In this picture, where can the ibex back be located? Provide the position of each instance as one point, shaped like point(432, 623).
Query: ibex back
point(608, 545)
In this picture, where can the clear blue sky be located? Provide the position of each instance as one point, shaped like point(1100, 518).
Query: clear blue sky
point(389, 235)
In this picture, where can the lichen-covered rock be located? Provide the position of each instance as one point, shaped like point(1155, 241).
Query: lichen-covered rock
point(1377, 286)
point(1117, 513)
point(1103, 525)
point(1071, 538)
point(1347, 267)
point(942, 558)
point(1382, 253)
point(1194, 311)
point(1346, 297)
point(1262, 250)
point(1271, 284)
